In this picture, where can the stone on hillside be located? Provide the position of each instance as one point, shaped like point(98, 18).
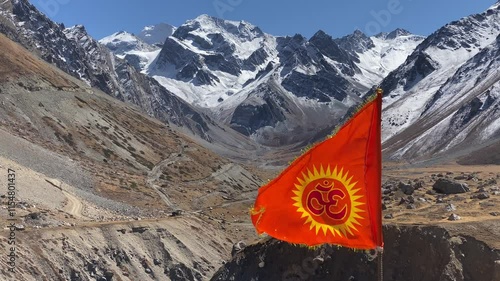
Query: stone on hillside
point(406, 188)
point(450, 208)
point(139, 229)
point(238, 247)
point(176, 213)
point(108, 275)
point(419, 184)
point(454, 217)
point(480, 196)
point(446, 186)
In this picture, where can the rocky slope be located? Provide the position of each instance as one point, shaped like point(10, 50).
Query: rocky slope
point(155, 250)
point(79, 55)
point(441, 224)
point(444, 98)
point(91, 166)
point(445, 252)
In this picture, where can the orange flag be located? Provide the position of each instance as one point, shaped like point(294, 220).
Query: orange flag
point(332, 193)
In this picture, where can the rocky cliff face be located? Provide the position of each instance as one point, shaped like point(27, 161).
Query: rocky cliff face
point(137, 251)
point(78, 54)
point(107, 192)
point(265, 86)
point(444, 98)
point(410, 253)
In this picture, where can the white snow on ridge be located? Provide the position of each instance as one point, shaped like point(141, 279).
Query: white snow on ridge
point(212, 96)
point(402, 113)
point(386, 56)
point(494, 126)
point(121, 36)
point(243, 35)
point(449, 61)
point(206, 96)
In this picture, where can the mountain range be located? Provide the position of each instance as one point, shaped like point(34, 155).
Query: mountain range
point(263, 86)
point(234, 86)
point(444, 99)
point(138, 156)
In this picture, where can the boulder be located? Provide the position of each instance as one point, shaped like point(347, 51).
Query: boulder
point(407, 189)
point(480, 196)
point(176, 213)
point(450, 208)
point(238, 247)
point(446, 186)
point(139, 229)
point(108, 275)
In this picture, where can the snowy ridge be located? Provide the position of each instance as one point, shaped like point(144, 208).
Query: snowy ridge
point(445, 96)
point(131, 48)
point(431, 65)
point(228, 41)
point(239, 73)
point(243, 37)
point(386, 55)
point(123, 42)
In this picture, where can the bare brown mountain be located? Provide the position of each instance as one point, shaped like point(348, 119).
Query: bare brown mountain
point(16, 63)
point(98, 182)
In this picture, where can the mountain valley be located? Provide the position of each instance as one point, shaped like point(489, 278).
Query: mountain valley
point(139, 156)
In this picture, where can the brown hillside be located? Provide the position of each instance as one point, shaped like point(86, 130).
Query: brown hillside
point(16, 62)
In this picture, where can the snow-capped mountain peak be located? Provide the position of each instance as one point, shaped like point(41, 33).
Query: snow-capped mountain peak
point(397, 33)
point(124, 42)
point(130, 47)
point(121, 36)
point(209, 24)
point(378, 55)
point(207, 33)
point(240, 75)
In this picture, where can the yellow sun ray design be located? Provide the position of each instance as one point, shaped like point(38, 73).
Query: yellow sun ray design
point(311, 191)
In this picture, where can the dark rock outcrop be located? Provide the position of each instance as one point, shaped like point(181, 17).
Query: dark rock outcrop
point(447, 186)
point(411, 253)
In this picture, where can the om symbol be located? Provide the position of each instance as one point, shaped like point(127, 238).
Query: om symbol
point(326, 198)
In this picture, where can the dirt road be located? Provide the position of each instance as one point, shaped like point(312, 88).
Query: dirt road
point(74, 206)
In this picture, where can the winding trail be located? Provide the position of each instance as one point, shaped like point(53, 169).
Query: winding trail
point(156, 172)
point(74, 206)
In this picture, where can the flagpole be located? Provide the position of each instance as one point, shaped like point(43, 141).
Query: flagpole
point(380, 264)
point(380, 249)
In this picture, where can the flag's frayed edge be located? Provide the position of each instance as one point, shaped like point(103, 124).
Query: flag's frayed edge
point(356, 250)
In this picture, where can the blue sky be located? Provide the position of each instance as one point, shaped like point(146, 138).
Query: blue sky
point(277, 17)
